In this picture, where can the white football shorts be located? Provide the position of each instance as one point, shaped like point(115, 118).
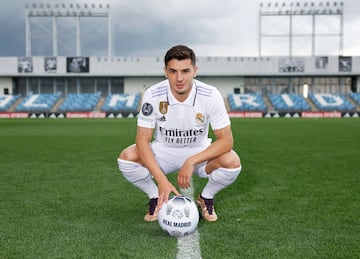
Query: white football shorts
point(171, 159)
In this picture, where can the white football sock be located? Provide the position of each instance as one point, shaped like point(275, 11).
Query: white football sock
point(139, 176)
point(218, 180)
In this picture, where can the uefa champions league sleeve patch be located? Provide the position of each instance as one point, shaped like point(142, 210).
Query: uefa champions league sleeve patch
point(147, 109)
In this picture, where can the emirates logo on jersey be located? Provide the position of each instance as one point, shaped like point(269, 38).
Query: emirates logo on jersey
point(199, 118)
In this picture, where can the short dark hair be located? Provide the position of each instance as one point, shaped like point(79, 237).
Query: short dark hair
point(180, 52)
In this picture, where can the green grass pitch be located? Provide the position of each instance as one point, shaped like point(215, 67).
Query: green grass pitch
point(62, 196)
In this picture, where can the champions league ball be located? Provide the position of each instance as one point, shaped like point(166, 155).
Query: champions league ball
point(178, 216)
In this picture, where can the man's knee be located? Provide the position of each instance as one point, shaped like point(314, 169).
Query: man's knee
point(129, 154)
point(233, 160)
point(227, 160)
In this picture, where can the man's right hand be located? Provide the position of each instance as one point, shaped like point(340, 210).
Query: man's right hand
point(164, 189)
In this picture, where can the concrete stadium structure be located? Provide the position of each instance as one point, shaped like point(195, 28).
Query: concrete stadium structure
point(106, 86)
point(229, 74)
point(132, 75)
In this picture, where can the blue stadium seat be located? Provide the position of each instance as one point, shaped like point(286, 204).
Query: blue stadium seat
point(246, 102)
point(80, 102)
point(331, 102)
point(38, 102)
point(289, 102)
point(6, 101)
point(121, 102)
point(355, 97)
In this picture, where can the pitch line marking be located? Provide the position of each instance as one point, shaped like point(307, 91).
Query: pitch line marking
point(188, 246)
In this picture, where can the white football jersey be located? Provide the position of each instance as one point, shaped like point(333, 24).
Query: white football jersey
point(179, 124)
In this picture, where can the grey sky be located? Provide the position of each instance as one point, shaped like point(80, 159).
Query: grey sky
point(210, 27)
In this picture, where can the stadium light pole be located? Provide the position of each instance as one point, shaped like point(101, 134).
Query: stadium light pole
point(27, 32)
point(292, 9)
point(56, 10)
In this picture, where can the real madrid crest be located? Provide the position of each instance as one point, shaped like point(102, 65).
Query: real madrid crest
point(200, 119)
point(163, 107)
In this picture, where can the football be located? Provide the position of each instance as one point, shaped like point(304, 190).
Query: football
point(178, 216)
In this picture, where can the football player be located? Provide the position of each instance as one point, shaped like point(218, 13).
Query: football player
point(177, 113)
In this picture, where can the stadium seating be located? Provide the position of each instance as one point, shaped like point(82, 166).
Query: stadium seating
point(38, 102)
point(121, 102)
point(129, 103)
point(355, 97)
point(331, 102)
point(289, 102)
point(246, 102)
point(80, 102)
point(6, 101)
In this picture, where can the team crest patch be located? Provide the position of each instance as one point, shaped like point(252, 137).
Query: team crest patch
point(199, 118)
point(147, 109)
point(163, 107)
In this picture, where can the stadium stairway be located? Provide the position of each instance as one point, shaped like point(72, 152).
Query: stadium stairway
point(357, 106)
point(57, 105)
point(99, 104)
point(270, 107)
point(12, 108)
point(312, 104)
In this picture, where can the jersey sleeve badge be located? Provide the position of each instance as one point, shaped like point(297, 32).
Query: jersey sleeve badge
point(147, 109)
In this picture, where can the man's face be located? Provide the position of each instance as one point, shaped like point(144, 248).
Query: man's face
point(180, 74)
